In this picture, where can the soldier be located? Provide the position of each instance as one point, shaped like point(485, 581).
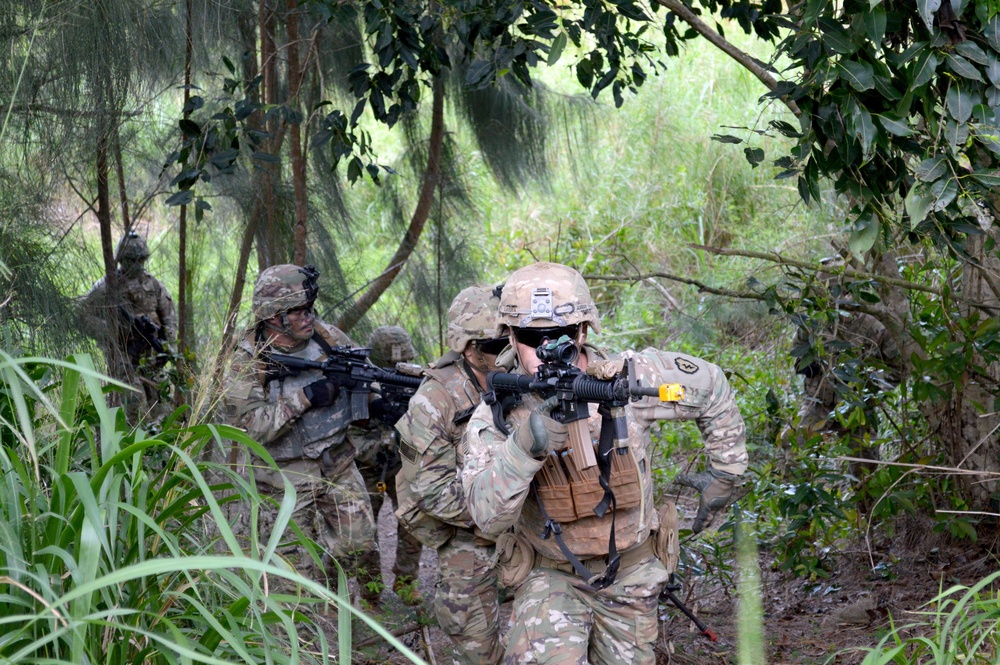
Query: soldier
point(377, 447)
point(609, 616)
point(431, 498)
point(133, 328)
point(301, 419)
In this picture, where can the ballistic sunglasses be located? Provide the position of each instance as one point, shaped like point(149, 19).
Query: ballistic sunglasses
point(535, 337)
point(491, 347)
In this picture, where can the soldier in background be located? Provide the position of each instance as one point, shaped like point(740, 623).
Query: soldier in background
point(134, 328)
point(302, 420)
point(377, 447)
point(609, 616)
point(431, 499)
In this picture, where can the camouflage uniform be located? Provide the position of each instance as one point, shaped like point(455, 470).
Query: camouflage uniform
point(377, 450)
point(558, 617)
point(431, 499)
point(141, 294)
point(308, 443)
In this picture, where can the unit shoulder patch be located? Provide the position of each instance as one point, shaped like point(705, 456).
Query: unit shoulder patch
point(685, 365)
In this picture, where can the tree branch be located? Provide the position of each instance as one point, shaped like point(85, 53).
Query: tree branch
point(703, 29)
point(701, 286)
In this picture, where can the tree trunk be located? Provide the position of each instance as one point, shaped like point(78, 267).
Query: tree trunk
point(120, 172)
point(968, 423)
point(420, 214)
point(296, 74)
point(269, 174)
point(183, 315)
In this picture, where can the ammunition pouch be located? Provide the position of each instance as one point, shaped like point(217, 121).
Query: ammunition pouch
point(569, 494)
point(514, 559)
point(667, 545)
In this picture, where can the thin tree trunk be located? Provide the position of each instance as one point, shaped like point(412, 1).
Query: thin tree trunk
point(420, 214)
point(120, 172)
point(184, 320)
point(104, 214)
point(296, 73)
point(239, 283)
point(267, 251)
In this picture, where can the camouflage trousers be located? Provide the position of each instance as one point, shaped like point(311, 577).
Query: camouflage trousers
point(407, 547)
point(331, 507)
point(559, 620)
point(466, 606)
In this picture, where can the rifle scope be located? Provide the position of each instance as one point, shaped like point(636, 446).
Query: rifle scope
point(563, 350)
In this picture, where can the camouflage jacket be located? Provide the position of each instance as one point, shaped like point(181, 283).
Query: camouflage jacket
point(498, 474)
point(143, 294)
point(276, 412)
point(432, 451)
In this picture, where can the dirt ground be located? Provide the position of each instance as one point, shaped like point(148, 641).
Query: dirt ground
point(804, 622)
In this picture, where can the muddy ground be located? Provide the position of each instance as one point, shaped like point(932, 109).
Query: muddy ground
point(804, 622)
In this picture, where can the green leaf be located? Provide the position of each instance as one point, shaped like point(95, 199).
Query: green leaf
point(987, 178)
point(924, 68)
point(726, 138)
point(836, 37)
point(960, 102)
point(992, 32)
point(875, 21)
point(180, 198)
point(858, 74)
point(865, 128)
point(558, 45)
point(754, 155)
point(964, 68)
point(944, 192)
point(864, 234)
point(893, 126)
point(993, 71)
point(927, 9)
point(956, 134)
point(973, 52)
point(931, 169)
point(883, 85)
point(917, 204)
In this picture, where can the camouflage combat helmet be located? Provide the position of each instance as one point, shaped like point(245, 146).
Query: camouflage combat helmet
point(472, 316)
point(545, 295)
point(391, 345)
point(283, 287)
point(131, 248)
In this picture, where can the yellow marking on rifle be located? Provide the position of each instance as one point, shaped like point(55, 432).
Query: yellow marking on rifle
point(671, 392)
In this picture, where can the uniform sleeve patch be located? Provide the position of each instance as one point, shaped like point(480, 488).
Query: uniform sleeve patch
point(685, 365)
point(409, 452)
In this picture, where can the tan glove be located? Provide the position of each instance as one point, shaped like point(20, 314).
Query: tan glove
point(542, 433)
point(716, 489)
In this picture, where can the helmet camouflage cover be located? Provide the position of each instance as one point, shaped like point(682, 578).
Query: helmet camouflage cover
point(283, 287)
point(131, 248)
point(472, 316)
point(545, 295)
point(390, 345)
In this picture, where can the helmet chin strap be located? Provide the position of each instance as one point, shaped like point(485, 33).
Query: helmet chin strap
point(479, 361)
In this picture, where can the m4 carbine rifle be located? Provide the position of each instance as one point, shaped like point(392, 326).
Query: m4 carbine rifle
point(574, 391)
point(350, 370)
point(142, 334)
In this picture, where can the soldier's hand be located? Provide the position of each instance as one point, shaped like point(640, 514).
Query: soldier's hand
point(322, 392)
point(542, 433)
point(605, 369)
point(716, 488)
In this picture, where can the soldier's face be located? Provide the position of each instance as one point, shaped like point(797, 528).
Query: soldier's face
point(526, 350)
point(131, 266)
point(301, 323)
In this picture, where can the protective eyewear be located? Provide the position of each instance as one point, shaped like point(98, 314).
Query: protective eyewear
point(492, 347)
point(535, 337)
point(303, 312)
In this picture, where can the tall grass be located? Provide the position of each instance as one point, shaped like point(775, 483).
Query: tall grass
point(960, 625)
point(106, 558)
